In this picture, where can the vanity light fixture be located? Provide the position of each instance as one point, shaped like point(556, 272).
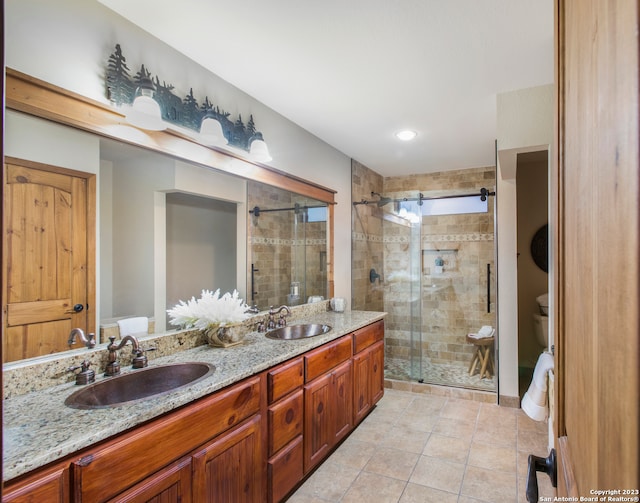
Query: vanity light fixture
point(406, 135)
point(145, 111)
point(258, 151)
point(211, 131)
point(154, 106)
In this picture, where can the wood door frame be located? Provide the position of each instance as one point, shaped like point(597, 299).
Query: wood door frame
point(597, 382)
point(91, 181)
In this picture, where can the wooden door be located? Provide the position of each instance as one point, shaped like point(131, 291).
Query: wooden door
point(46, 246)
point(230, 468)
point(596, 183)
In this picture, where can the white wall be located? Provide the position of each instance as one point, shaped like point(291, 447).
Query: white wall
point(67, 43)
point(524, 124)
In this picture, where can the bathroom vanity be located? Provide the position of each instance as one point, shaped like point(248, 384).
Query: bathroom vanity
point(265, 418)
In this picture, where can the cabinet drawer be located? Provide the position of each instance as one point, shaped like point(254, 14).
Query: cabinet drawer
point(285, 470)
point(128, 459)
point(285, 378)
point(321, 360)
point(366, 336)
point(285, 421)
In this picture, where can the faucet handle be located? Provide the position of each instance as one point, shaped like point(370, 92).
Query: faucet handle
point(86, 375)
point(140, 360)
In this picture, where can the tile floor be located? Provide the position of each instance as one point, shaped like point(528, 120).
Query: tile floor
point(447, 374)
point(425, 448)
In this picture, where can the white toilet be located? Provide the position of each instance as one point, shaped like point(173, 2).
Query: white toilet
point(541, 321)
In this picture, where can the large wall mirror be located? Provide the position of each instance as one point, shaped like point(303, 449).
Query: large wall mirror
point(166, 228)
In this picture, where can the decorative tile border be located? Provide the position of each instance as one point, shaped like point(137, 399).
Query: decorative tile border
point(259, 240)
point(430, 238)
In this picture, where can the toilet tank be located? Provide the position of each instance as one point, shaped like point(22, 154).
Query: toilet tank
point(543, 303)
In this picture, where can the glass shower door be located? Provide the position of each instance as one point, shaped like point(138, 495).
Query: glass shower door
point(402, 289)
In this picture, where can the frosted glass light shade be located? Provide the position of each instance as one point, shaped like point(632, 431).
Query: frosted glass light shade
point(259, 151)
point(211, 132)
point(145, 114)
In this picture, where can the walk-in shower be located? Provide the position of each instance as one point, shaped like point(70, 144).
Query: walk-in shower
point(434, 261)
point(288, 247)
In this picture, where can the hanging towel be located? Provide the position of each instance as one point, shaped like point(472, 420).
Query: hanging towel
point(534, 401)
point(130, 326)
point(484, 332)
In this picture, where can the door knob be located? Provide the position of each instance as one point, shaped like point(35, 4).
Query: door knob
point(75, 309)
point(538, 464)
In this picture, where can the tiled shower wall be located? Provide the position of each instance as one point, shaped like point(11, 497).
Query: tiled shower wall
point(366, 240)
point(454, 302)
point(280, 255)
point(447, 305)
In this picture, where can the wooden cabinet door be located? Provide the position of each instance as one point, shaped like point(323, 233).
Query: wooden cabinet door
point(47, 234)
point(285, 470)
point(342, 406)
point(361, 385)
point(51, 486)
point(318, 430)
point(231, 467)
point(376, 382)
point(172, 484)
point(596, 181)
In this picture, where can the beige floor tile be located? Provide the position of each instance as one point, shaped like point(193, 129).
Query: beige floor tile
point(489, 485)
point(496, 435)
point(438, 474)
point(426, 404)
point(329, 482)
point(370, 487)
point(395, 400)
point(528, 424)
point(493, 457)
point(460, 410)
point(419, 422)
point(453, 428)
point(406, 438)
point(415, 493)
point(392, 463)
point(503, 417)
point(533, 442)
point(450, 448)
point(299, 497)
point(371, 431)
point(353, 453)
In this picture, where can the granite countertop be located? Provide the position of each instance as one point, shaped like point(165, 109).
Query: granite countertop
point(38, 428)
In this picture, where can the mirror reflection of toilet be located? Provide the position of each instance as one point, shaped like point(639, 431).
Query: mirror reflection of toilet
point(541, 320)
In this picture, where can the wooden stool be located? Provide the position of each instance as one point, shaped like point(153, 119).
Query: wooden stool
point(483, 356)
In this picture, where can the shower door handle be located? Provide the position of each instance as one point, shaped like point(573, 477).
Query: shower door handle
point(488, 288)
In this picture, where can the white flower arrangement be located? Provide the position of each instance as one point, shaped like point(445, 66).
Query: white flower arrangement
point(210, 310)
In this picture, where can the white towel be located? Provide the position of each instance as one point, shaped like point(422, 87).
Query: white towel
point(130, 326)
point(485, 332)
point(534, 401)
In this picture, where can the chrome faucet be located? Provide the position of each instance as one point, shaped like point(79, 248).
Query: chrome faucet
point(282, 321)
point(89, 342)
point(113, 366)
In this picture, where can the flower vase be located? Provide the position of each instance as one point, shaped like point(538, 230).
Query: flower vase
point(224, 336)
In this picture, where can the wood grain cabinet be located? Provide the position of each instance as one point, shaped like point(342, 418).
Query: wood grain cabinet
point(285, 428)
point(368, 369)
point(171, 484)
point(328, 399)
point(50, 485)
point(138, 456)
point(254, 441)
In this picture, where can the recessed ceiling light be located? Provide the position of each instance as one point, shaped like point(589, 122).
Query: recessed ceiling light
point(406, 135)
